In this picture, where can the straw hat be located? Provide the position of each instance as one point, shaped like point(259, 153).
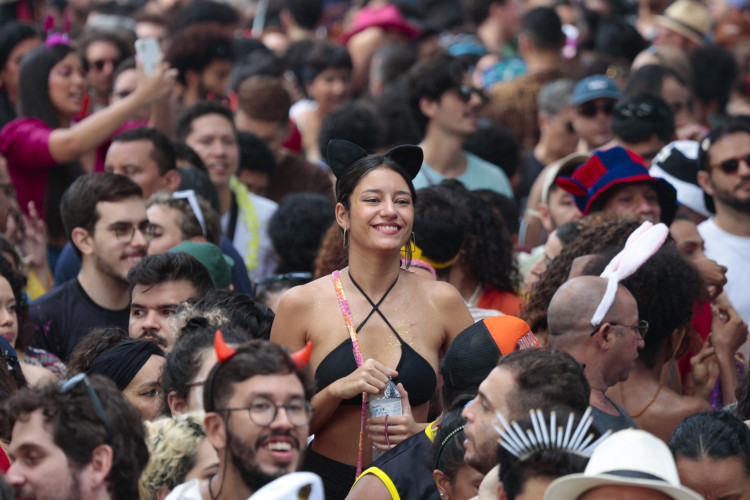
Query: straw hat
point(689, 18)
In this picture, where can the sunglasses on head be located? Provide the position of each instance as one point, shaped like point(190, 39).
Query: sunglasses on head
point(590, 109)
point(731, 165)
point(465, 91)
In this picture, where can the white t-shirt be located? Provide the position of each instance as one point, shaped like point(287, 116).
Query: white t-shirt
point(186, 491)
point(734, 252)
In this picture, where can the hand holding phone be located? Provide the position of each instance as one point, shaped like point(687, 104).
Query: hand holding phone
point(148, 52)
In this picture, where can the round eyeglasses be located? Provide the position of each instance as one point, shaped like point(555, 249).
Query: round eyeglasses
point(263, 411)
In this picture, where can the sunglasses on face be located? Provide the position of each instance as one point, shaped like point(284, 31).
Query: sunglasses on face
point(465, 92)
point(100, 64)
point(731, 165)
point(590, 109)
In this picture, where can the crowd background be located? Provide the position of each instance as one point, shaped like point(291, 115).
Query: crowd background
point(254, 179)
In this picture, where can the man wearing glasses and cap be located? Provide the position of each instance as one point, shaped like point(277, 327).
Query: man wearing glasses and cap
point(105, 219)
point(80, 439)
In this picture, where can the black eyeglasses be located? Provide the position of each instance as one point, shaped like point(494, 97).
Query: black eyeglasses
point(731, 165)
point(640, 110)
point(641, 327)
point(591, 109)
point(465, 92)
point(124, 232)
point(263, 411)
point(68, 385)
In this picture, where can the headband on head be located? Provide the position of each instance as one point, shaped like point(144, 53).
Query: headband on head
point(122, 362)
point(343, 154)
point(56, 38)
point(640, 246)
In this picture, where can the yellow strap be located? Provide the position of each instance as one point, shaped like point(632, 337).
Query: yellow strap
point(431, 430)
point(383, 477)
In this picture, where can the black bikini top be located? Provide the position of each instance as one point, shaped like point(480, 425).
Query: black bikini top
point(414, 371)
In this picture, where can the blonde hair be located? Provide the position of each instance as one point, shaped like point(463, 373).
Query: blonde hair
point(172, 446)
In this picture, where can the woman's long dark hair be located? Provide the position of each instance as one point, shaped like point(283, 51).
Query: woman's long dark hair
point(18, 286)
point(34, 102)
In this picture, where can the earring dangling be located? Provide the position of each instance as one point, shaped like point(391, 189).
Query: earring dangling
point(410, 247)
point(346, 239)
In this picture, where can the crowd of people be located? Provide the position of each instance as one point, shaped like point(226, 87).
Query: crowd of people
point(530, 218)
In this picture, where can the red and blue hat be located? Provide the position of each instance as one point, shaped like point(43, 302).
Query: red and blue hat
point(605, 170)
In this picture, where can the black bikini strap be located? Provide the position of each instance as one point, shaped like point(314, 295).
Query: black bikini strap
point(375, 307)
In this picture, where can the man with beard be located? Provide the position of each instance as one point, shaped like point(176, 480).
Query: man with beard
point(79, 440)
point(724, 175)
point(256, 441)
point(522, 381)
point(158, 284)
point(105, 218)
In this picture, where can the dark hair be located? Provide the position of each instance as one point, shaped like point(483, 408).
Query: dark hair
point(724, 129)
point(487, 252)
point(187, 154)
point(665, 287)
point(392, 61)
point(716, 435)
point(6, 247)
point(17, 283)
point(202, 108)
point(431, 78)
point(238, 309)
point(125, 65)
point(256, 357)
point(306, 13)
point(639, 117)
point(545, 380)
point(259, 62)
point(496, 144)
point(171, 266)
point(255, 155)
point(78, 206)
point(96, 35)
point(33, 83)
point(264, 98)
point(162, 151)
point(184, 360)
point(439, 231)
point(349, 180)
point(618, 40)
point(505, 207)
point(201, 12)
point(11, 34)
point(297, 228)
point(597, 232)
point(353, 121)
point(743, 397)
point(714, 71)
point(448, 446)
point(323, 56)
point(92, 345)
point(77, 429)
point(650, 78)
point(516, 472)
point(399, 127)
point(543, 27)
point(478, 10)
point(195, 47)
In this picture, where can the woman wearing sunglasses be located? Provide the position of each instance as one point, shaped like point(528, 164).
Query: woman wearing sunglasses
point(370, 321)
point(46, 147)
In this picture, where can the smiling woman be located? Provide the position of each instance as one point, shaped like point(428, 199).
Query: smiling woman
point(43, 147)
point(389, 316)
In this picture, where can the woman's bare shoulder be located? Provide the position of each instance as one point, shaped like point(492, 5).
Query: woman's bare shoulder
point(309, 293)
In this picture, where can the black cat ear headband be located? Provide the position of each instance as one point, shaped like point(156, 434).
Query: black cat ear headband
point(343, 154)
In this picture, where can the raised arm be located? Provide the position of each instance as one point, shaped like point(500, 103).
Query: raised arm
point(68, 144)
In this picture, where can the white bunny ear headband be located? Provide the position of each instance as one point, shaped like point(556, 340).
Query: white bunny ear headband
point(640, 246)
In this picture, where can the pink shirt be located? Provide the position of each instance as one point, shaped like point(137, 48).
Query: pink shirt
point(24, 142)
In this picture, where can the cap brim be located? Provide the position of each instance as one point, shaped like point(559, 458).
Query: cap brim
point(575, 485)
point(599, 94)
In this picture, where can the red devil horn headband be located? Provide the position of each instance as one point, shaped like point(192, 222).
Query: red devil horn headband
point(302, 357)
point(223, 351)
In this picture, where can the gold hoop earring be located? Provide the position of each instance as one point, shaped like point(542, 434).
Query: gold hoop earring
point(346, 239)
